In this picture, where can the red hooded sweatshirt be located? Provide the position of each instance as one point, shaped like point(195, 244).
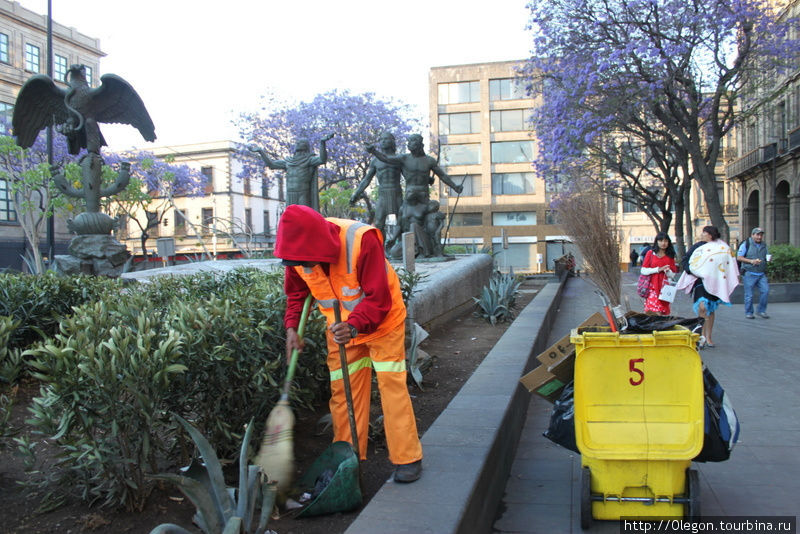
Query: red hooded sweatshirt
point(305, 235)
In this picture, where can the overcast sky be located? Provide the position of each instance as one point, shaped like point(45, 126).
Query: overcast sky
point(198, 64)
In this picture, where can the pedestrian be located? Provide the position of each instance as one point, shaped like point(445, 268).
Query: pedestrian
point(659, 263)
point(753, 256)
point(634, 258)
point(342, 259)
point(710, 274)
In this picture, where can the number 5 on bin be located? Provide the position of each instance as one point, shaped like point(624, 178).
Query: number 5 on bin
point(635, 381)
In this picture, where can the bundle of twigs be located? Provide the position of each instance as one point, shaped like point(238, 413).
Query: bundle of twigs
point(583, 215)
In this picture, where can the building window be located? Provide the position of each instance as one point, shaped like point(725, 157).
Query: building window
point(459, 123)
point(509, 120)
point(3, 47)
point(551, 217)
point(506, 89)
point(246, 183)
point(469, 154)
point(180, 222)
point(459, 92)
point(471, 183)
point(248, 220)
point(208, 219)
point(266, 223)
point(7, 213)
point(89, 76)
point(6, 111)
point(513, 183)
point(466, 219)
point(60, 68)
point(208, 174)
point(265, 187)
point(512, 152)
point(629, 204)
point(514, 218)
point(31, 58)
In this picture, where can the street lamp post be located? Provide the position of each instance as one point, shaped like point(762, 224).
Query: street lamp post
point(50, 219)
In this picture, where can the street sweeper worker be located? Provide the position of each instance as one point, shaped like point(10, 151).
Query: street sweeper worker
point(342, 259)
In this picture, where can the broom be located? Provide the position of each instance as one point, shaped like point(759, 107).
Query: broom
point(276, 455)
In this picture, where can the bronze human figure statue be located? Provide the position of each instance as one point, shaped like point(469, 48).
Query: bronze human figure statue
point(417, 168)
point(302, 186)
point(390, 193)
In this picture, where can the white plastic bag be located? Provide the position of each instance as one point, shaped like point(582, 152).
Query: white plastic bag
point(667, 293)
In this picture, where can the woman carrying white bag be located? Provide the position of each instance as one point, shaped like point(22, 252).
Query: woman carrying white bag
point(659, 264)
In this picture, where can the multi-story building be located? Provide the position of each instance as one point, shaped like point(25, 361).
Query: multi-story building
point(233, 217)
point(768, 142)
point(23, 53)
point(479, 114)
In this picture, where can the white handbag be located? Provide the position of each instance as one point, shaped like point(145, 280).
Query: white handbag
point(667, 293)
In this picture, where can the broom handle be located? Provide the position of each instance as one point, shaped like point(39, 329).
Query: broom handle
point(293, 360)
point(348, 394)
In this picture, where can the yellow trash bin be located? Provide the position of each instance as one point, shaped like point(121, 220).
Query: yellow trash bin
point(639, 406)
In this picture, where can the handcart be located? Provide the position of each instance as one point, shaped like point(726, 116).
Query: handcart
point(639, 407)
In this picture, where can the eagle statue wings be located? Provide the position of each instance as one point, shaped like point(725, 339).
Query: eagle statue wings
point(77, 110)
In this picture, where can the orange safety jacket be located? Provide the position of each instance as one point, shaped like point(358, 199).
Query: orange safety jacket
point(342, 281)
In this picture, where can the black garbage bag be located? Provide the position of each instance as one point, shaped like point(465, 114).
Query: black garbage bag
point(721, 423)
point(562, 420)
point(641, 323)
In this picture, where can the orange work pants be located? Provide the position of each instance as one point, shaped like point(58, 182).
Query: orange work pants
point(386, 355)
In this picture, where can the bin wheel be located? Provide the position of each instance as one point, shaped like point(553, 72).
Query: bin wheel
point(693, 494)
point(586, 498)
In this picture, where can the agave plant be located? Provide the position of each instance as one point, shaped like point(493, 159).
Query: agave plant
point(496, 303)
point(220, 509)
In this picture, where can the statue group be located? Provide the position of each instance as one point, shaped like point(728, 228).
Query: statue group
point(414, 210)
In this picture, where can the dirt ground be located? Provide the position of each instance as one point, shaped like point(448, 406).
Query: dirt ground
point(457, 349)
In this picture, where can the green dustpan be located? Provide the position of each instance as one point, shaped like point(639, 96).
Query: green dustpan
point(343, 493)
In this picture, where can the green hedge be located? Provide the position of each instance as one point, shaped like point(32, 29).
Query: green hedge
point(785, 264)
point(210, 348)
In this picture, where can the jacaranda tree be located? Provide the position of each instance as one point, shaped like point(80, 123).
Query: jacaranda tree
point(152, 189)
point(678, 67)
point(32, 193)
point(355, 119)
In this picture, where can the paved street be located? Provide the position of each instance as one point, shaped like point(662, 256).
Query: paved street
point(758, 364)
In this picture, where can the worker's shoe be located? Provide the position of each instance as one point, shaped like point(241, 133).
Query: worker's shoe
point(408, 472)
point(763, 315)
point(749, 316)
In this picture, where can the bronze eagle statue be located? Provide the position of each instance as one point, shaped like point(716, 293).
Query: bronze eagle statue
point(77, 111)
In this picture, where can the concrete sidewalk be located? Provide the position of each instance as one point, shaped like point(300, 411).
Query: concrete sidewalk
point(758, 364)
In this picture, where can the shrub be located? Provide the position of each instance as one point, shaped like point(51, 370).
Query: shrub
point(39, 302)
point(208, 347)
point(105, 378)
point(785, 264)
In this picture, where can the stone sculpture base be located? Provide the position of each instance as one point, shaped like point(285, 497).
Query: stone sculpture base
point(95, 254)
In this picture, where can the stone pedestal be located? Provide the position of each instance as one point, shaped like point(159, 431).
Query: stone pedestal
point(97, 254)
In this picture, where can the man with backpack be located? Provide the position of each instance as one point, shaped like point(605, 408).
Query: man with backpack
point(753, 257)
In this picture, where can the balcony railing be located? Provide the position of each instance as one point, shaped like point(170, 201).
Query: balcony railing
point(752, 159)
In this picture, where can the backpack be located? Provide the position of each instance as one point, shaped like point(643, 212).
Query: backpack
point(746, 249)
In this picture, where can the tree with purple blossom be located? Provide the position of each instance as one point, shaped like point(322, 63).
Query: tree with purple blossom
point(356, 119)
point(677, 68)
point(31, 190)
point(150, 194)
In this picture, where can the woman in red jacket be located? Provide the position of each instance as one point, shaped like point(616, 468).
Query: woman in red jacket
point(659, 263)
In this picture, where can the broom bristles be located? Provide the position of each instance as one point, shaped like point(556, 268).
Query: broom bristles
point(276, 455)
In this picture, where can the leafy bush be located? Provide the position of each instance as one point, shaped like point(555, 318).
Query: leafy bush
point(39, 302)
point(497, 301)
point(785, 264)
point(106, 377)
point(208, 347)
